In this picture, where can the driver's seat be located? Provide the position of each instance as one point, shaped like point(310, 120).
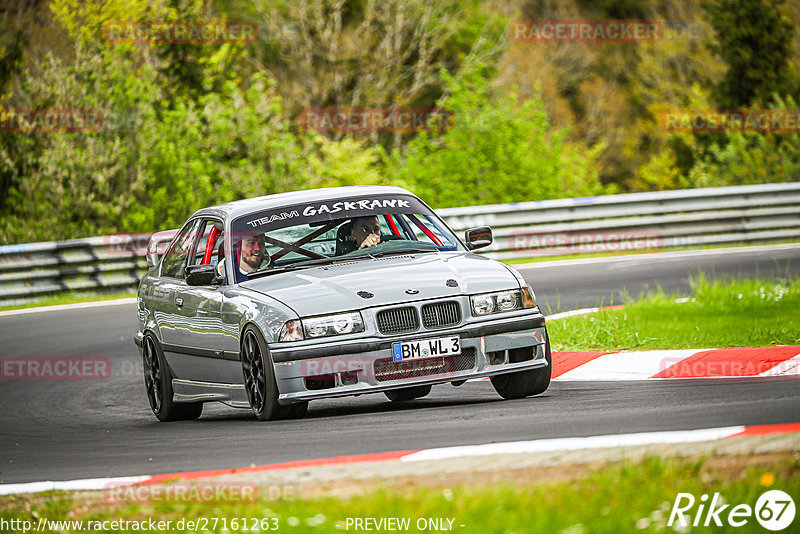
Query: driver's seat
point(345, 243)
point(220, 259)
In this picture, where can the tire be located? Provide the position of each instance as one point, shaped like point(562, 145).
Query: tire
point(407, 394)
point(259, 381)
point(525, 383)
point(158, 385)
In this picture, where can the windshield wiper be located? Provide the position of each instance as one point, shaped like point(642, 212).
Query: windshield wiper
point(408, 250)
point(282, 269)
point(316, 262)
point(329, 261)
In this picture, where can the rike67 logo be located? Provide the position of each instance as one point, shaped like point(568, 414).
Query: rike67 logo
point(774, 510)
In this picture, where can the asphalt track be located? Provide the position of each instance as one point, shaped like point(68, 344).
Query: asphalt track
point(60, 430)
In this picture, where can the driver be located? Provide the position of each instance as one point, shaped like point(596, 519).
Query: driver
point(366, 231)
point(253, 256)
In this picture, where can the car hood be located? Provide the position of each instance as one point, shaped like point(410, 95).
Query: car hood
point(391, 280)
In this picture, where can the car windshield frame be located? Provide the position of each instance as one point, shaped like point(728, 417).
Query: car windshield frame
point(406, 217)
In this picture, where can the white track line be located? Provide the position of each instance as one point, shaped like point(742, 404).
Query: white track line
point(655, 255)
point(573, 313)
point(515, 447)
point(574, 444)
point(67, 485)
point(66, 307)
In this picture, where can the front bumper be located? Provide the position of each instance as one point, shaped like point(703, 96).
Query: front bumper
point(336, 369)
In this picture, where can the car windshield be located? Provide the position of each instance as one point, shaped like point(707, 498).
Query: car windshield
point(335, 230)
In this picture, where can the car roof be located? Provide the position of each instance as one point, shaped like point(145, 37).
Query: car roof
point(237, 208)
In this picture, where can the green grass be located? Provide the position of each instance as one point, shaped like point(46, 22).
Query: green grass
point(626, 497)
point(68, 298)
point(732, 313)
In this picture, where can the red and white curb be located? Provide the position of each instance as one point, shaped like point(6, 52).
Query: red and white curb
point(598, 442)
point(678, 364)
point(672, 364)
point(489, 449)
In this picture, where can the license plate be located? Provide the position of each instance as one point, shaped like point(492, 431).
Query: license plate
point(411, 350)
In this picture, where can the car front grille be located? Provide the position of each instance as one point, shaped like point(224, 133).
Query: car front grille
point(398, 320)
point(387, 369)
point(441, 314)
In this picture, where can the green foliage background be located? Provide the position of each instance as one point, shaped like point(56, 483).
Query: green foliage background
point(186, 126)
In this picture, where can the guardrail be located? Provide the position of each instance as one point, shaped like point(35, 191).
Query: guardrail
point(665, 219)
point(96, 264)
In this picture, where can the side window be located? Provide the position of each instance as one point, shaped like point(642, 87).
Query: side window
point(435, 230)
point(208, 245)
point(424, 230)
point(174, 264)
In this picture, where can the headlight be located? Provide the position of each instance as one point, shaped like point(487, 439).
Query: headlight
point(292, 331)
point(503, 301)
point(333, 325)
point(508, 301)
point(482, 304)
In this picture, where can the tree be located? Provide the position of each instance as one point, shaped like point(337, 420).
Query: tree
point(366, 54)
point(496, 150)
point(754, 39)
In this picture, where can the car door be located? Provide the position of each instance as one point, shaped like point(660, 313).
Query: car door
point(173, 323)
point(202, 305)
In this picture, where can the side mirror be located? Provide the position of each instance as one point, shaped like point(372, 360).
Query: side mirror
point(201, 275)
point(478, 237)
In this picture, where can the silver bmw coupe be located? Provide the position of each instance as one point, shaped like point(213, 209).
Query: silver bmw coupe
point(268, 303)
